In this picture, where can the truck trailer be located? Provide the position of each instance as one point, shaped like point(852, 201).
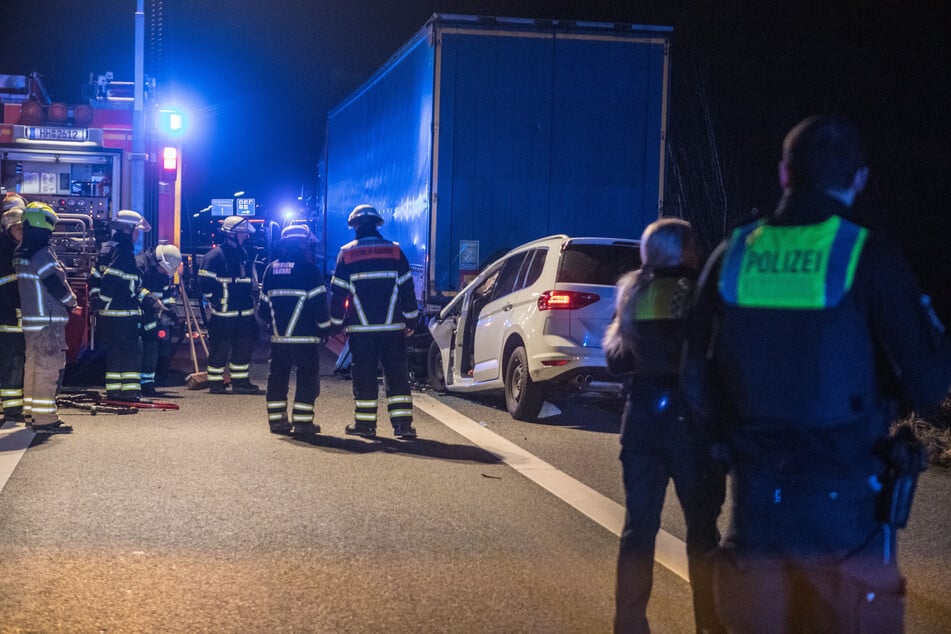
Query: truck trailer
point(481, 134)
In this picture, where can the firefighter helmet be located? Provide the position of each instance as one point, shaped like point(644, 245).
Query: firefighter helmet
point(12, 201)
point(298, 232)
point(169, 258)
point(130, 220)
point(40, 216)
point(236, 224)
point(364, 214)
point(11, 218)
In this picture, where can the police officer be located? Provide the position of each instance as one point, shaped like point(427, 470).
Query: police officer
point(808, 327)
point(45, 302)
point(658, 444)
point(226, 282)
point(156, 267)
point(372, 299)
point(11, 331)
point(294, 303)
point(116, 286)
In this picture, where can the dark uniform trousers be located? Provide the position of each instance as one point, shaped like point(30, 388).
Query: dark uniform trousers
point(230, 338)
point(150, 354)
point(12, 359)
point(284, 357)
point(123, 355)
point(658, 449)
point(370, 350)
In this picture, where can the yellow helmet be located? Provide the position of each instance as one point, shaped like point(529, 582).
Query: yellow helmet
point(40, 216)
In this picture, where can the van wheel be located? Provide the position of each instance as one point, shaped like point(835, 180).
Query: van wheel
point(437, 378)
point(523, 397)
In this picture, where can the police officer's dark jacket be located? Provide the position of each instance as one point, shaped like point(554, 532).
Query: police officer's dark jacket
point(294, 301)
point(660, 313)
point(120, 285)
point(375, 275)
point(808, 326)
point(9, 296)
point(226, 281)
point(157, 288)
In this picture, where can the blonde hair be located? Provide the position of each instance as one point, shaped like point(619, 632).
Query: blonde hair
point(665, 243)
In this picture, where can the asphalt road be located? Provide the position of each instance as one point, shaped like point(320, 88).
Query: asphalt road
point(199, 520)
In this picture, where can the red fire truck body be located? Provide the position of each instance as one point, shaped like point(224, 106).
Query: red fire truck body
point(77, 159)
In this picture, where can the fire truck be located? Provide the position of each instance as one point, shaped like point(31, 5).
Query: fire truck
point(77, 159)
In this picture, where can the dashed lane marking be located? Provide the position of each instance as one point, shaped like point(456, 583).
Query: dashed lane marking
point(13, 444)
point(669, 551)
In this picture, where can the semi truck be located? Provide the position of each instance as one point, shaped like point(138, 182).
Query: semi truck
point(483, 133)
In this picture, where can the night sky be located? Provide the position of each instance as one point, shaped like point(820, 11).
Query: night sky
point(259, 77)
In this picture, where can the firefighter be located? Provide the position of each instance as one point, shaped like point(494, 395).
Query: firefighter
point(372, 299)
point(11, 331)
point(226, 282)
point(116, 285)
point(809, 328)
point(45, 303)
point(157, 268)
point(294, 303)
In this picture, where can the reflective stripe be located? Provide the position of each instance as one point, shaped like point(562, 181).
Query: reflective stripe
point(374, 275)
point(46, 267)
point(303, 407)
point(11, 391)
point(411, 315)
point(405, 277)
point(12, 402)
point(121, 274)
point(372, 404)
point(360, 416)
point(233, 313)
point(302, 418)
point(279, 339)
point(130, 375)
point(273, 404)
point(207, 273)
point(380, 328)
point(7, 279)
point(276, 416)
point(5, 328)
point(336, 281)
point(399, 399)
point(400, 412)
point(120, 313)
point(235, 366)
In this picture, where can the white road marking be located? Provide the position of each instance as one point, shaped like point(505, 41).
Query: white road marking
point(13, 444)
point(669, 552)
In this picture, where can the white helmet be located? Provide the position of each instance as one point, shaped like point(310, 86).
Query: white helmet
point(169, 258)
point(298, 232)
point(11, 218)
point(129, 220)
point(12, 201)
point(364, 214)
point(236, 224)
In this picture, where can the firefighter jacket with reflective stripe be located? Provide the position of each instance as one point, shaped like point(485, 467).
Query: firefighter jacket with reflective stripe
point(9, 294)
point(157, 285)
point(120, 286)
point(226, 282)
point(45, 296)
point(294, 301)
point(374, 275)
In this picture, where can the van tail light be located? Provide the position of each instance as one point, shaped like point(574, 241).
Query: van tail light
point(565, 300)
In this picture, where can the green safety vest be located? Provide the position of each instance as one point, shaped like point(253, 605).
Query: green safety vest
point(664, 298)
point(795, 267)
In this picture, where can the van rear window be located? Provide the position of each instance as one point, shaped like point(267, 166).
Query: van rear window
point(597, 263)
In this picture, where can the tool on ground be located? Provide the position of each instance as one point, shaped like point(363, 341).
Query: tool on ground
point(198, 379)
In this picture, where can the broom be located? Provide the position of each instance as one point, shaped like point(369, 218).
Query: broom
point(197, 380)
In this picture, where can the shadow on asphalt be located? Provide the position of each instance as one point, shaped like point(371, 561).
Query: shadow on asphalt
point(588, 413)
point(421, 447)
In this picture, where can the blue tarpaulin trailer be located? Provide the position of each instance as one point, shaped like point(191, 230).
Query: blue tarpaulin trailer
point(480, 134)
